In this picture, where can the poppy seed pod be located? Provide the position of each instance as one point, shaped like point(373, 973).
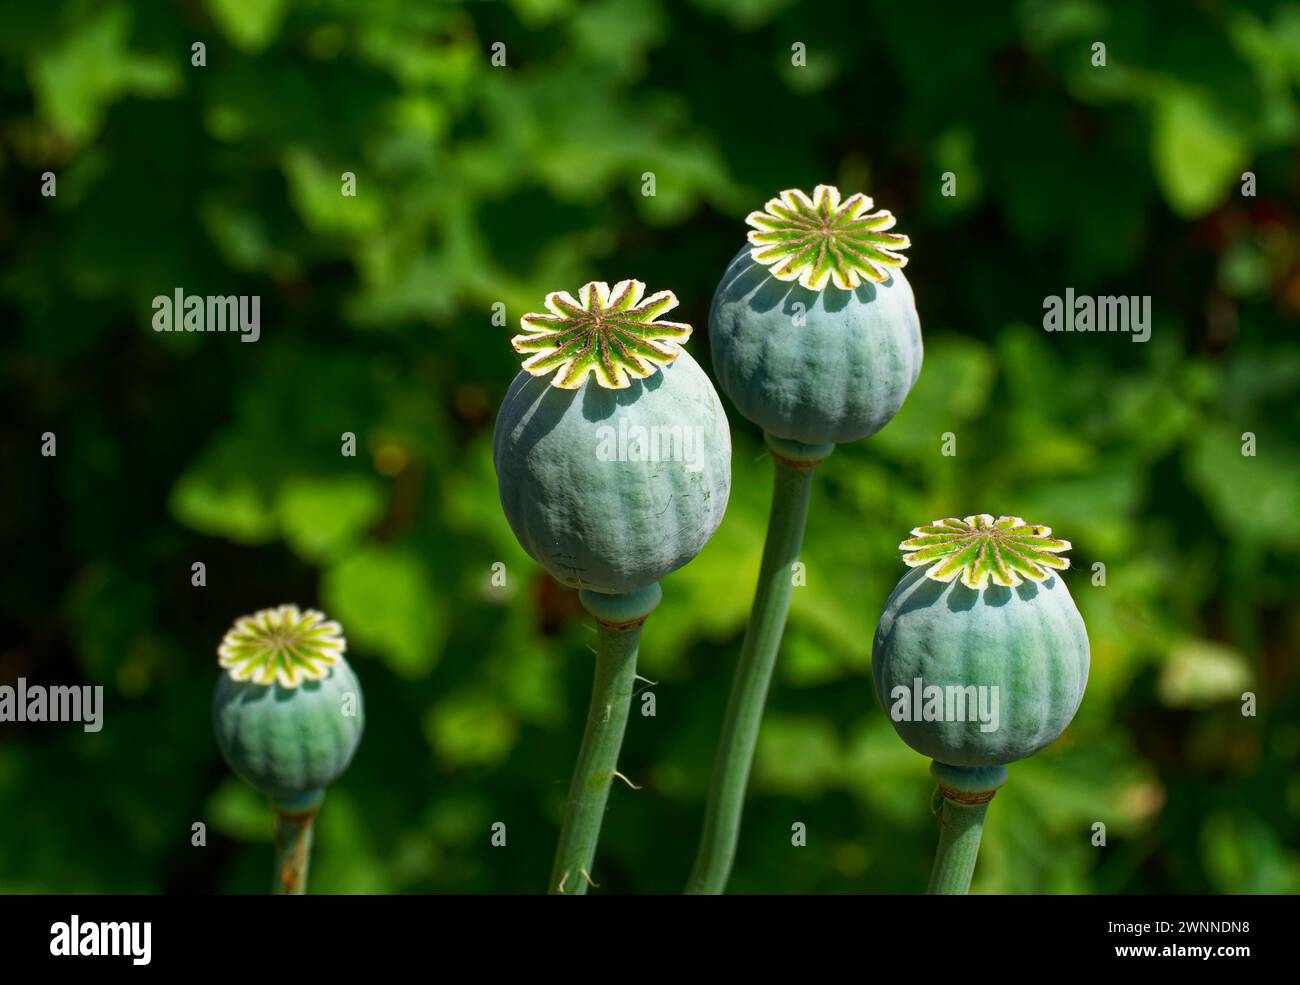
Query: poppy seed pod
point(616, 470)
point(813, 329)
point(288, 711)
point(984, 620)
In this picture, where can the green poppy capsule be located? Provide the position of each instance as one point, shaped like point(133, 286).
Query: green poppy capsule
point(813, 330)
point(288, 712)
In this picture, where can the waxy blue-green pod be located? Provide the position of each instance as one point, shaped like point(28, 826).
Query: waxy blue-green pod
point(981, 657)
point(616, 470)
point(813, 329)
point(288, 711)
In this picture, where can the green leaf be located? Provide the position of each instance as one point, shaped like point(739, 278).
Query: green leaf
point(799, 756)
point(471, 729)
point(1196, 151)
point(618, 31)
point(1242, 854)
point(76, 81)
point(385, 602)
point(953, 387)
point(228, 506)
point(323, 517)
point(249, 24)
point(1200, 673)
point(1254, 497)
point(745, 13)
point(236, 811)
point(316, 189)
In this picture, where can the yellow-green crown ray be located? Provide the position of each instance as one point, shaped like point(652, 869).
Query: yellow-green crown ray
point(610, 332)
point(979, 549)
point(281, 645)
point(822, 240)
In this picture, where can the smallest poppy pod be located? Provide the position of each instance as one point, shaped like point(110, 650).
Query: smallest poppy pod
point(981, 657)
point(288, 711)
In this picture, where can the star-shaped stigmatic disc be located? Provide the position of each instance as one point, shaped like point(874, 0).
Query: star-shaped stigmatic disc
point(822, 240)
point(979, 549)
point(281, 645)
point(610, 332)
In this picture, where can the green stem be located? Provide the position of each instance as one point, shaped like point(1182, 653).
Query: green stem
point(792, 487)
point(618, 637)
point(959, 844)
point(966, 794)
point(292, 853)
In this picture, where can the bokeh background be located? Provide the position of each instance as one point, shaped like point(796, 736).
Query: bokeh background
point(479, 185)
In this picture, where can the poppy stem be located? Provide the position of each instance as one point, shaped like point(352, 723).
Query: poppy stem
point(792, 488)
point(618, 638)
point(293, 837)
point(966, 794)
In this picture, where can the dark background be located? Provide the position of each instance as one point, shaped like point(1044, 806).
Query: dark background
point(479, 184)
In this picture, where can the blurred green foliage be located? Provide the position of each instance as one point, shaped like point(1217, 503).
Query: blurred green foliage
point(478, 185)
